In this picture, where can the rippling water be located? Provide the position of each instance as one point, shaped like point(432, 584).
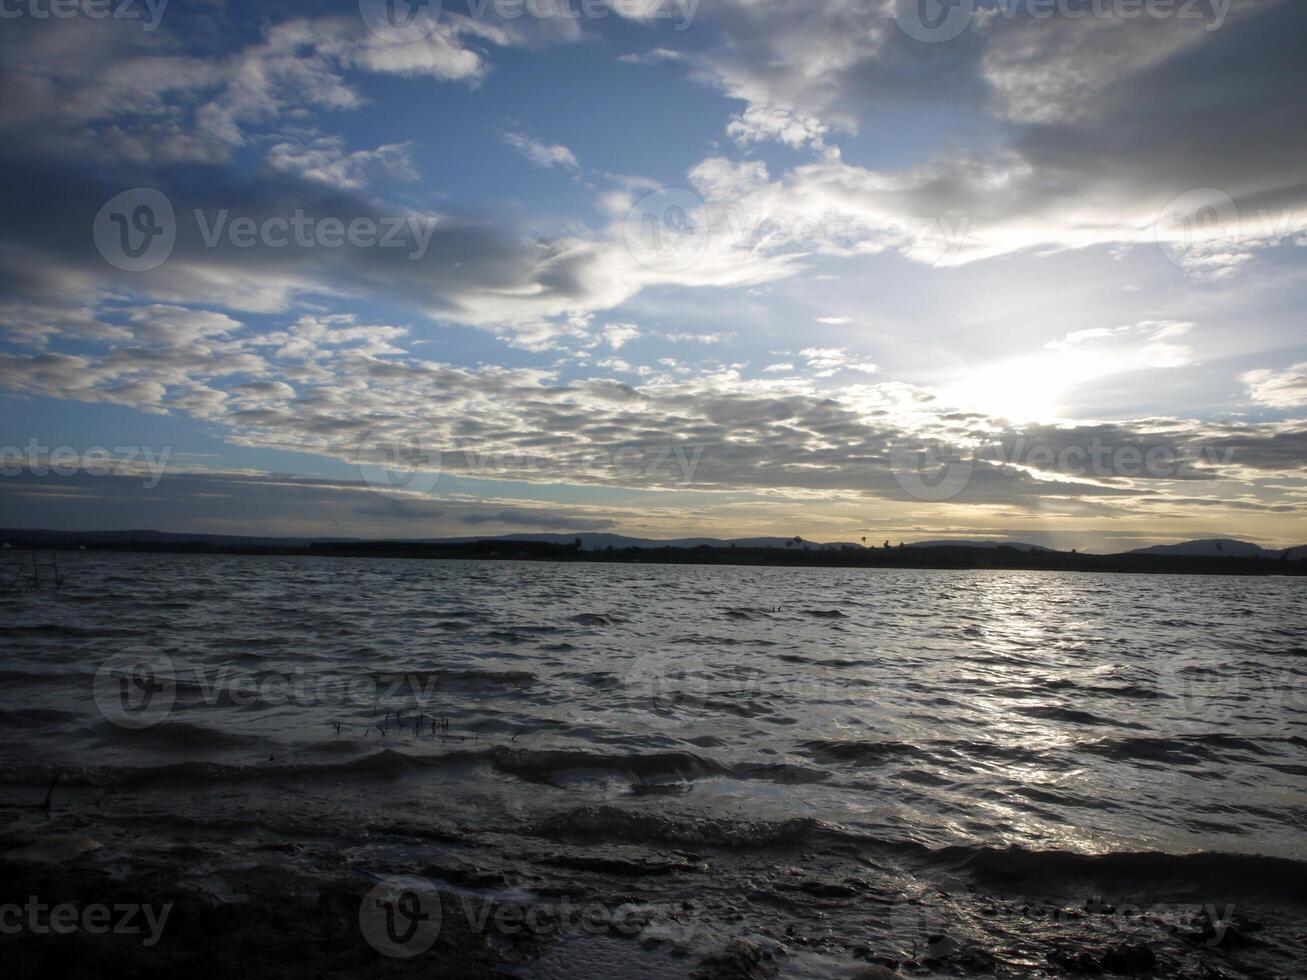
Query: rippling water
point(825, 758)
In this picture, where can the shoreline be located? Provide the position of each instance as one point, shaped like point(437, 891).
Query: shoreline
point(82, 909)
point(941, 558)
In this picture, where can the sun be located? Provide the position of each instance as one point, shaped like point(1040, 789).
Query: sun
point(1025, 389)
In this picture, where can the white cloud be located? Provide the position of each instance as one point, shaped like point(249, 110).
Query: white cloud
point(677, 337)
point(322, 383)
point(136, 98)
point(542, 154)
point(1278, 389)
point(324, 159)
point(760, 123)
point(176, 326)
point(826, 361)
point(616, 335)
point(651, 57)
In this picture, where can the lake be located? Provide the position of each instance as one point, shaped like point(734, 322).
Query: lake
point(801, 770)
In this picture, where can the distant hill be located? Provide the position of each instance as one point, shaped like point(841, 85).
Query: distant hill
point(1018, 545)
point(47, 538)
point(959, 553)
point(1218, 548)
point(598, 541)
point(590, 541)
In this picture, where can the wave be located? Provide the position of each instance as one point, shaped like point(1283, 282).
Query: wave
point(1178, 749)
point(529, 765)
point(67, 630)
point(794, 658)
point(24, 717)
point(507, 636)
point(1210, 873)
point(418, 679)
point(1133, 691)
point(544, 765)
point(616, 824)
point(861, 752)
point(182, 736)
point(874, 752)
point(19, 678)
point(1216, 873)
point(1054, 712)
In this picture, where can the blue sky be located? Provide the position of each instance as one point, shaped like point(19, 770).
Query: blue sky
point(730, 268)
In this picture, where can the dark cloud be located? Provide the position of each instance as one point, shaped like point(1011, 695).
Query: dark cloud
point(286, 506)
point(438, 264)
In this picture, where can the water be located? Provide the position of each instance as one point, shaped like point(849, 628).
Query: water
point(824, 763)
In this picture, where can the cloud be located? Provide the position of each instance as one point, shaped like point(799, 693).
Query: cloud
point(1278, 389)
point(1069, 155)
point(336, 387)
point(653, 56)
point(760, 123)
point(1099, 351)
point(616, 335)
point(134, 95)
point(463, 270)
point(826, 361)
point(177, 326)
point(517, 517)
point(1049, 182)
point(542, 154)
point(678, 337)
point(321, 383)
point(324, 159)
point(202, 501)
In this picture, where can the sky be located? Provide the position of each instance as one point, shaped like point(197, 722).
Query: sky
point(1025, 269)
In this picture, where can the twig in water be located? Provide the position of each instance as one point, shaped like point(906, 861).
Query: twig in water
point(49, 794)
